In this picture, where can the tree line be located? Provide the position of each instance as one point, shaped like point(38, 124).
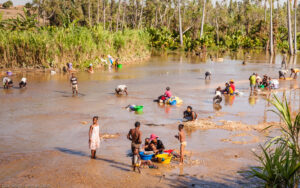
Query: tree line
point(192, 24)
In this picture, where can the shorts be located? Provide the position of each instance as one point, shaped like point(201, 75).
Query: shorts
point(135, 146)
point(183, 143)
point(74, 87)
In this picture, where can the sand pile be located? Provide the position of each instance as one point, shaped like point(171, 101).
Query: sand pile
point(206, 123)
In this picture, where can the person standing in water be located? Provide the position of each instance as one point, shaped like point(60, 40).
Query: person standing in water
point(94, 137)
point(74, 85)
point(295, 72)
point(135, 136)
point(283, 63)
point(252, 80)
point(181, 138)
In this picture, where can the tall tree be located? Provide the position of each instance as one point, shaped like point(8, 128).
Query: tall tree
point(271, 27)
point(203, 18)
point(180, 24)
point(290, 38)
point(118, 15)
point(295, 26)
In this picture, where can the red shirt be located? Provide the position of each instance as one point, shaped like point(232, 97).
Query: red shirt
point(232, 87)
point(168, 94)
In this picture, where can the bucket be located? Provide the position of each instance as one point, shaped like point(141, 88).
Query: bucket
point(146, 157)
point(164, 158)
point(120, 66)
point(138, 108)
point(172, 102)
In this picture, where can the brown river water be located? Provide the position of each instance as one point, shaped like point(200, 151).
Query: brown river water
point(45, 117)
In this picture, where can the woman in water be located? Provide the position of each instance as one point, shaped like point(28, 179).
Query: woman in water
point(94, 137)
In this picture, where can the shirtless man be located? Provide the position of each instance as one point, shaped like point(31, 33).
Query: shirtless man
point(181, 138)
point(135, 136)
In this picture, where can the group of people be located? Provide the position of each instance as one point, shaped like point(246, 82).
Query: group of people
point(228, 90)
point(8, 82)
point(267, 82)
point(284, 72)
point(153, 145)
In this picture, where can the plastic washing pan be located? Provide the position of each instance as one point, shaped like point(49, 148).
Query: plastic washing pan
point(146, 157)
point(120, 66)
point(164, 158)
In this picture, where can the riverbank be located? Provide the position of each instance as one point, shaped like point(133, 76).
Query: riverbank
point(53, 47)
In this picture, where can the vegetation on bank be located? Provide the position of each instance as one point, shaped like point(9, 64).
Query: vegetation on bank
point(280, 157)
point(55, 46)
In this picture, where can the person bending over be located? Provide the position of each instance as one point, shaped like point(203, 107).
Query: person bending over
point(121, 89)
point(218, 97)
point(23, 82)
point(207, 75)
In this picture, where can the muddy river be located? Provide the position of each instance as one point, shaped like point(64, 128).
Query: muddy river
point(45, 117)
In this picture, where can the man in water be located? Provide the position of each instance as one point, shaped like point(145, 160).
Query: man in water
point(295, 72)
point(23, 82)
point(74, 83)
point(282, 73)
point(156, 145)
point(252, 80)
point(135, 136)
point(181, 138)
point(283, 63)
point(121, 89)
point(207, 75)
point(189, 114)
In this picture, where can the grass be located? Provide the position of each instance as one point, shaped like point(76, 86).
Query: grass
point(55, 46)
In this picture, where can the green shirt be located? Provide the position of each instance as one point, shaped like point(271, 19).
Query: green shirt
point(252, 80)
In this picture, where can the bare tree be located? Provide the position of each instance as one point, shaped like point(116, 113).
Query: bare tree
point(180, 25)
point(295, 26)
point(118, 15)
point(104, 8)
point(98, 11)
point(265, 6)
point(141, 15)
point(89, 10)
point(290, 38)
point(203, 18)
point(271, 27)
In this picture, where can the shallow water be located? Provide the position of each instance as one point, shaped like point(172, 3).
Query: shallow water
point(46, 116)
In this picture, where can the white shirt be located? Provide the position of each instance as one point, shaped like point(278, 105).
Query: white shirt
point(6, 79)
point(122, 87)
point(218, 93)
point(23, 80)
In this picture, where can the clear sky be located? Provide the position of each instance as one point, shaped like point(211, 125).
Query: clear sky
point(17, 2)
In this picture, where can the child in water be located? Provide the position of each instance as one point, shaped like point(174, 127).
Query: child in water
point(94, 137)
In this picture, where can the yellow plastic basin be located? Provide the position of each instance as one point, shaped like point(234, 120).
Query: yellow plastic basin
point(164, 158)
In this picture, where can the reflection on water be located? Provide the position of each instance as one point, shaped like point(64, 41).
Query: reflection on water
point(45, 115)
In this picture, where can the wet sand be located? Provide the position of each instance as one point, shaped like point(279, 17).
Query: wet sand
point(44, 130)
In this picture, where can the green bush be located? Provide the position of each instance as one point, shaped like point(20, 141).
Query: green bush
point(7, 4)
